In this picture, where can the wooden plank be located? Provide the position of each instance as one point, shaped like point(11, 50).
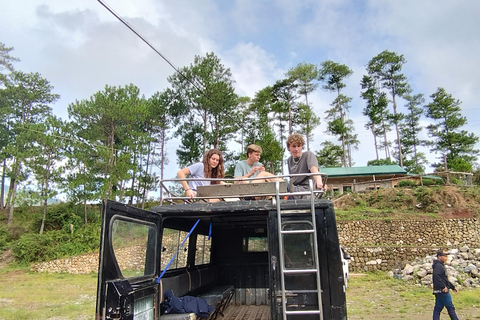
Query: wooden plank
point(242, 312)
point(241, 189)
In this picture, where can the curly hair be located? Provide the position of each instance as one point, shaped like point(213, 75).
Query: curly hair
point(218, 171)
point(295, 139)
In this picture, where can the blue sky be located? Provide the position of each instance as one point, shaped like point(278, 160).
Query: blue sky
point(80, 47)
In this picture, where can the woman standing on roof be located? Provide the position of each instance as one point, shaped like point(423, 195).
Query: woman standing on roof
point(211, 167)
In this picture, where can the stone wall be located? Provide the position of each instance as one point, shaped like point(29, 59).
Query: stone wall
point(388, 244)
point(373, 244)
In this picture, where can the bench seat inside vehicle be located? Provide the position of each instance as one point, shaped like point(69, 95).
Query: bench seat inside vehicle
point(199, 283)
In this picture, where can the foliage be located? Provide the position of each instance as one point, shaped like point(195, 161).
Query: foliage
point(329, 155)
point(4, 237)
point(448, 139)
point(385, 69)
point(333, 74)
point(414, 161)
point(304, 74)
point(380, 162)
point(429, 182)
point(55, 244)
point(377, 113)
point(205, 99)
point(407, 183)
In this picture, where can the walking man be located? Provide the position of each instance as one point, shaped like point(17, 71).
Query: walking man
point(441, 287)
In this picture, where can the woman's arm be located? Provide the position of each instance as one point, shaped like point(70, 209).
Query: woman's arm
point(181, 175)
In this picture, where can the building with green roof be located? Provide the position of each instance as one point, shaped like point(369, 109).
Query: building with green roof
point(359, 179)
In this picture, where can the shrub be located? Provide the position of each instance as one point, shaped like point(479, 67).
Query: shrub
point(428, 182)
point(56, 244)
point(4, 237)
point(407, 183)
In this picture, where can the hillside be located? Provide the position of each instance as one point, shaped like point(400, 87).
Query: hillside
point(410, 203)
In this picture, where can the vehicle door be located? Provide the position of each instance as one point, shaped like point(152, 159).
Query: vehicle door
point(129, 263)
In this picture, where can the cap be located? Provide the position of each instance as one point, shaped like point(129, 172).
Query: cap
point(442, 253)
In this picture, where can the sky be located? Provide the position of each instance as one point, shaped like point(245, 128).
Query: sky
point(80, 47)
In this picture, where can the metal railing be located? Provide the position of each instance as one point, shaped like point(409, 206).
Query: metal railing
point(171, 197)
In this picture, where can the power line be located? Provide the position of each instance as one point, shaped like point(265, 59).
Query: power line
point(192, 82)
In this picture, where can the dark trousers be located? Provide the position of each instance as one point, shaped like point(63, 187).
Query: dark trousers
point(444, 300)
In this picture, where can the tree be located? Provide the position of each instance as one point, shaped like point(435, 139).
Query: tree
point(308, 121)
point(205, 99)
point(111, 128)
point(385, 68)
point(261, 130)
point(330, 155)
point(414, 161)
point(448, 139)
point(45, 162)
point(377, 113)
point(334, 74)
point(304, 74)
point(27, 97)
point(6, 61)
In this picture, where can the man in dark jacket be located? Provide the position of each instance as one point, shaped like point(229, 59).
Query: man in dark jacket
point(441, 287)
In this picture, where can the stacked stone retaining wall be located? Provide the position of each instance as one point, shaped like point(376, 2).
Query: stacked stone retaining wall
point(373, 244)
point(388, 244)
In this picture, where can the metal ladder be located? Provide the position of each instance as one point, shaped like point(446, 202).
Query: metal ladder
point(284, 270)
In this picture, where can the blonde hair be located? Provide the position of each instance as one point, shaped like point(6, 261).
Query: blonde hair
point(295, 139)
point(218, 171)
point(253, 148)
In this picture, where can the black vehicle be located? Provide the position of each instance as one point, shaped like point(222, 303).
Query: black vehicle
point(249, 259)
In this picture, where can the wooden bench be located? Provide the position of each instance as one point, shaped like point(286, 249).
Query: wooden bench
point(240, 190)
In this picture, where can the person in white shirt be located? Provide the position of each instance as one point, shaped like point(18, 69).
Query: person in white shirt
point(212, 166)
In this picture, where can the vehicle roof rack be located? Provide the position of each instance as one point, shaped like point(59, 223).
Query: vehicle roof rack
point(231, 191)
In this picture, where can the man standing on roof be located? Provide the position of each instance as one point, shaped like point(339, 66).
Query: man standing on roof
point(302, 162)
point(441, 287)
point(251, 168)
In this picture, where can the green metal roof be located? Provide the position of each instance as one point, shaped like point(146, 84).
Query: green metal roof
point(363, 171)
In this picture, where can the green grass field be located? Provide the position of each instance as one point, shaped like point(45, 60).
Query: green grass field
point(26, 295)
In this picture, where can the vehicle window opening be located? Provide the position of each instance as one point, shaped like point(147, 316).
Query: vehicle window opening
point(175, 253)
point(130, 242)
point(298, 247)
point(255, 244)
point(203, 249)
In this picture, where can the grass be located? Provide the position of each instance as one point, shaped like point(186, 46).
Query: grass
point(27, 295)
point(375, 296)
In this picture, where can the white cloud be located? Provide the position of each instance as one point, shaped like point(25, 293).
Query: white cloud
point(80, 47)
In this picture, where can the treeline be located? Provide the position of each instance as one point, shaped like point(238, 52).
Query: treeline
point(113, 144)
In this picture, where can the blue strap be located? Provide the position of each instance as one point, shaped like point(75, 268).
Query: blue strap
point(168, 265)
point(210, 230)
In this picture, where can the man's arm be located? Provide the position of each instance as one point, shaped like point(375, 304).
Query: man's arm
point(240, 172)
point(317, 178)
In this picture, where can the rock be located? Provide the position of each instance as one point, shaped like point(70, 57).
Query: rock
point(408, 278)
point(422, 273)
point(408, 269)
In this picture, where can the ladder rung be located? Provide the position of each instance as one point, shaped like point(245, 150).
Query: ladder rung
point(303, 312)
point(297, 231)
point(300, 271)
